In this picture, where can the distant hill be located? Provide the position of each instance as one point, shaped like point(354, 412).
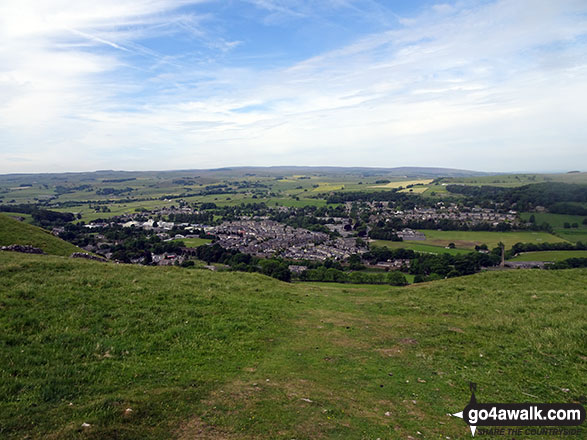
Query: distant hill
point(51, 178)
point(359, 171)
point(14, 232)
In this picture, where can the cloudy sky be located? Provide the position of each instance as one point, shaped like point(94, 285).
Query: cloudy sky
point(176, 84)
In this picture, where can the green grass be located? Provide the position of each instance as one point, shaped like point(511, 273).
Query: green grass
point(557, 221)
point(15, 232)
point(205, 355)
point(549, 255)
point(194, 242)
point(511, 180)
point(573, 235)
point(468, 239)
point(419, 247)
point(28, 218)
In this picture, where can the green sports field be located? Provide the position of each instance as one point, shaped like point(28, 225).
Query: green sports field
point(468, 239)
point(419, 247)
point(194, 242)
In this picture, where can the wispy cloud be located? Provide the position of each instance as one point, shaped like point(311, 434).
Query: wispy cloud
point(497, 85)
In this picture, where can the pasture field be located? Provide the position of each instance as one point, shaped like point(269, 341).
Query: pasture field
point(557, 221)
point(160, 353)
point(549, 255)
point(573, 235)
point(328, 187)
point(418, 247)
point(469, 239)
point(15, 232)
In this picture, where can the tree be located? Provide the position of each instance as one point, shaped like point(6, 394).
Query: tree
point(355, 262)
point(396, 278)
point(147, 258)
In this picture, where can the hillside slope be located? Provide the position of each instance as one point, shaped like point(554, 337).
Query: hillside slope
point(14, 232)
point(165, 352)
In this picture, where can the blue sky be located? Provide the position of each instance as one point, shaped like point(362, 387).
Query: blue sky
point(175, 84)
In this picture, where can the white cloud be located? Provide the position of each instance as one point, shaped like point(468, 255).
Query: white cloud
point(494, 86)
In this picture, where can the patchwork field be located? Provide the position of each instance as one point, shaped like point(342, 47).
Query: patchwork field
point(156, 353)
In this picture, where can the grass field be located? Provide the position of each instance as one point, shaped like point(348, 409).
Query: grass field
point(419, 247)
point(415, 190)
point(468, 239)
point(15, 232)
point(194, 242)
point(557, 221)
point(403, 183)
point(511, 180)
point(156, 353)
point(549, 255)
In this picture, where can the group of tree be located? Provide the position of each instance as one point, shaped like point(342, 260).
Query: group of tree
point(518, 248)
point(557, 197)
point(447, 266)
point(41, 217)
point(333, 275)
point(244, 262)
point(569, 263)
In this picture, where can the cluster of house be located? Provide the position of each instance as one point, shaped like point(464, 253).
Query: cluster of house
point(268, 239)
point(470, 216)
point(408, 234)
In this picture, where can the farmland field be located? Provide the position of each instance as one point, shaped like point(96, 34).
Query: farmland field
point(511, 180)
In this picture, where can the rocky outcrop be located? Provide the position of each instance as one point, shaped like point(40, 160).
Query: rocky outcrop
point(86, 256)
point(24, 248)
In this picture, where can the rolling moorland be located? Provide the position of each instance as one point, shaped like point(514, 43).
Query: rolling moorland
point(102, 350)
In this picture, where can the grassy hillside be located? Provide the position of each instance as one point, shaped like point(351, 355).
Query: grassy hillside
point(152, 352)
point(14, 232)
